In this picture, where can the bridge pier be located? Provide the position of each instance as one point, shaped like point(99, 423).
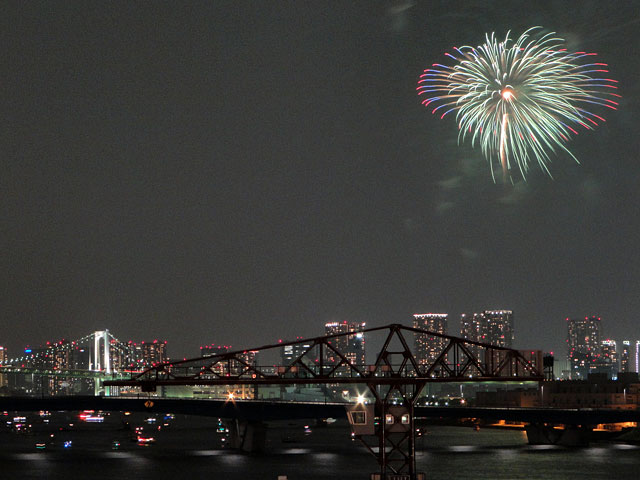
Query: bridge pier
point(248, 436)
point(570, 436)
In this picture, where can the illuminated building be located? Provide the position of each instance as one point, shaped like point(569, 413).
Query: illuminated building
point(3, 358)
point(351, 346)
point(54, 357)
point(637, 352)
point(500, 327)
point(246, 358)
point(473, 327)
point(223, 368)
point(607, 361)
point(289, 353)
point(225, 392)
point(60, 355)
point(249, 357)
point(355, 351)
point(134, 355)
point(117, 355)
point(494, 327)
point(583, 345)
point(154, 353)
point(339, 343)
point(625, 357)
point(80, 358)
point(428, 347)
point(146, 354)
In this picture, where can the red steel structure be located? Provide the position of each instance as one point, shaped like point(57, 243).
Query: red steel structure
point(395, 380)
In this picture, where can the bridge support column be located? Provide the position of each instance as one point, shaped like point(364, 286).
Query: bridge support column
point(393, 442)
point(248, 436)
point(571, 435)
point(395, 399)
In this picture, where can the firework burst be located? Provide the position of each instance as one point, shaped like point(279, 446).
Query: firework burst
point(519, 101)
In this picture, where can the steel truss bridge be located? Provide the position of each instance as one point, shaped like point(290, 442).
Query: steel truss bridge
point(393, 383)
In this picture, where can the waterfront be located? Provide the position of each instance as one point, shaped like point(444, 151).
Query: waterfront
point(191, 448)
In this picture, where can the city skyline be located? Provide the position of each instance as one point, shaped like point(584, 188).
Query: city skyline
point(452, 326)
point(101, 353)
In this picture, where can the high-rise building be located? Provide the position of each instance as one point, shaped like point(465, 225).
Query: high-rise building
point(473, 327)
point(154, 353)
point(355, 349)
point(60, 355)
point(637, 352)
point(626, 364)
point(429, 347)
point(339, 343)
point(80, 357)
point(607, 361)
point(3, 359)
point(146, 354)
point(351, 346)
point(494, 327)
point(290, 353)
point(246, 359)
point(134, 355)
point(500, 327)
point(583, 345)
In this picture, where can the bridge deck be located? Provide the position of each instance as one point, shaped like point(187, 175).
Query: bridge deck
point(262, 410)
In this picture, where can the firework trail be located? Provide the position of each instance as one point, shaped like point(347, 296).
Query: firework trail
point(521, 100)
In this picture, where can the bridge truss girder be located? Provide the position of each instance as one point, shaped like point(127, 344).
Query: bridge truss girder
point(455, 363)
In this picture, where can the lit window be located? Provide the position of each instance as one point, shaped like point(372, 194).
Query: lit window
point(358, 418)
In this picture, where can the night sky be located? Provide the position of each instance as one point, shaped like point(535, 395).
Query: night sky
point(238, 172)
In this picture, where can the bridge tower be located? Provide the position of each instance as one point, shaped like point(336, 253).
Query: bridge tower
point(395, 400)
point(101, 357)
